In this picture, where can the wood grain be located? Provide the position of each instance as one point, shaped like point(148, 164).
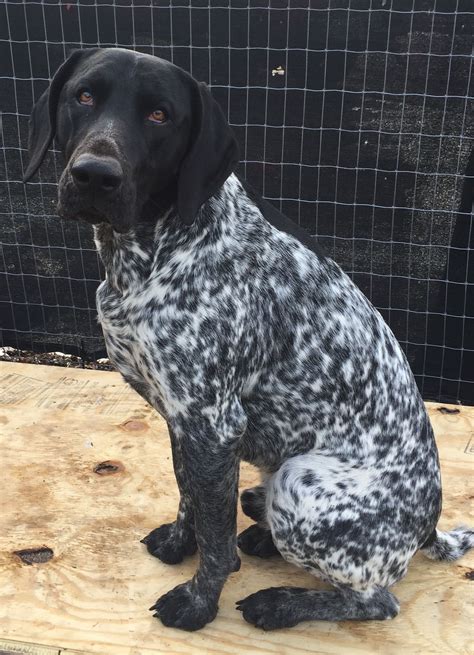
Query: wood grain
point(58, 424)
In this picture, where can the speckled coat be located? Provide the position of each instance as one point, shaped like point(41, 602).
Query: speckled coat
point(254, 347)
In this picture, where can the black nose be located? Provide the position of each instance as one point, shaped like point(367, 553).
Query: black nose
point(93, 173)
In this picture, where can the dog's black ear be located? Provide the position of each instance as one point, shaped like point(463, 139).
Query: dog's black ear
point(42, 124)
point(212, 156)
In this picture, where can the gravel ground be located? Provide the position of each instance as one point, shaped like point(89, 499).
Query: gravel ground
point(8, 354)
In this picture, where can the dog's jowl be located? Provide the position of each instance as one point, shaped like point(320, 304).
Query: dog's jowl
point(251, 344)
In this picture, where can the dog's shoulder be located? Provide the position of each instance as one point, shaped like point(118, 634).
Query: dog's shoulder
point(280, 221)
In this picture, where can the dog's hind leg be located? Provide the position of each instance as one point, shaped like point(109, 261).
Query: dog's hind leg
point(253, 503)
point(257, 539)
point(335, 518)
point(284, 607)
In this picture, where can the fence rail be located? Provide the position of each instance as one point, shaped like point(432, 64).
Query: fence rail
point(354, 117)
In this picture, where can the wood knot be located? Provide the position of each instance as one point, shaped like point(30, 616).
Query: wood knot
point(134, 425)
point(35, 555)
point(109, 467)
point(448, 410)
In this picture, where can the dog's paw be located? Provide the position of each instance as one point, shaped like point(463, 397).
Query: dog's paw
point(257, 541)
point(182, 608)
point(268, 609)
point(169, 544)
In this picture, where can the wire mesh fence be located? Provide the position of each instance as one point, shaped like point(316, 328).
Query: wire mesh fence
point(354, 117)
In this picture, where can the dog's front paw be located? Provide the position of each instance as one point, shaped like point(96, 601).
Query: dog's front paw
point(169, 544)
point(185, 609)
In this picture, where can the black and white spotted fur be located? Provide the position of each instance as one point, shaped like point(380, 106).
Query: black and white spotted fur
point(255, 347)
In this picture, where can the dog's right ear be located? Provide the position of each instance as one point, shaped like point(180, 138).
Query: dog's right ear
point(42, 124)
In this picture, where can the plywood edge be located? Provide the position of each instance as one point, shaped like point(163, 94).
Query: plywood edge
point(9, 647)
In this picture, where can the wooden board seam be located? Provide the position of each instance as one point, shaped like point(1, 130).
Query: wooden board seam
point(14, 647)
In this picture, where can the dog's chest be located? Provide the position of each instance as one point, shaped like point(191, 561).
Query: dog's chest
point(130, 331)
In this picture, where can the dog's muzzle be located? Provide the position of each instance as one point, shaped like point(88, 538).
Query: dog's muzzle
point(96, 188)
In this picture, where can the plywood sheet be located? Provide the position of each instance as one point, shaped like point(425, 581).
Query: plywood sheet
point(92, 595)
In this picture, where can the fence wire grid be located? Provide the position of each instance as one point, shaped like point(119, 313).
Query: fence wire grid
point(354, 117)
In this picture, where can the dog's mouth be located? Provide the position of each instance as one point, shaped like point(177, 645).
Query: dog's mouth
point(92, 215)
point(87, 208)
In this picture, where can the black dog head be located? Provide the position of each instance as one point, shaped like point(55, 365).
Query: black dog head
point(135, 131)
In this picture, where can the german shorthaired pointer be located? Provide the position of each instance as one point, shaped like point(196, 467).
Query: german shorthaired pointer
point(251, 344)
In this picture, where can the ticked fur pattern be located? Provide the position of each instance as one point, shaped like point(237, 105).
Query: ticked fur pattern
point(254, 348)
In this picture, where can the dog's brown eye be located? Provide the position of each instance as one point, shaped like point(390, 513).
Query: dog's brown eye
point(157, 116)
point(85, 98)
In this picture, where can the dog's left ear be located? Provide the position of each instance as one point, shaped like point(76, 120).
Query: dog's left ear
point(211, 157)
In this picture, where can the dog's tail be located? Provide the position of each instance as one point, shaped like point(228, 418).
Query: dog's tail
point(449, 545)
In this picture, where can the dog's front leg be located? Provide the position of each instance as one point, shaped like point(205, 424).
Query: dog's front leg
point(172, 542)
point(211, 469)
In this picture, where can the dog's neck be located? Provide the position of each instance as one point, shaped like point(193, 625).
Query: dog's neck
point(130, 258)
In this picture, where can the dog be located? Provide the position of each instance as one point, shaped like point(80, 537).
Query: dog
point(227, 319)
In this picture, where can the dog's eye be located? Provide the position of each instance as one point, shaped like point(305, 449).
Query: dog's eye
point(157, 116)
point(85, 97)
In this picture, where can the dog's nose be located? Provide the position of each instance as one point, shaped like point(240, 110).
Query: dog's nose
point(92, 173)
